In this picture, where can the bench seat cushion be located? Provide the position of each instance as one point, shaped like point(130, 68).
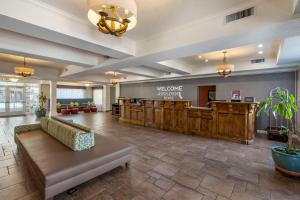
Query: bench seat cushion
point(55, 162)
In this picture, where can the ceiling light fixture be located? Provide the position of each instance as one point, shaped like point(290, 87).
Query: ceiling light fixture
point(206, 60)
point(260, 52)
point(199, 57)
point(113, 17)
point(111, 73)
point(14, 80)
point(114, 81)
point(225, 69)
point(260, 46)
point(24, 70)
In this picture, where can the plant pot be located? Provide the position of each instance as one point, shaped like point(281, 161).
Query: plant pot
point(286, 163)
point(40, 113)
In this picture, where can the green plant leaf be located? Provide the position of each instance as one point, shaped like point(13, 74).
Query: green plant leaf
point(280, 109)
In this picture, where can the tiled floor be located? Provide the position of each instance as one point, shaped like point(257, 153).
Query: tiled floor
point(165, 166)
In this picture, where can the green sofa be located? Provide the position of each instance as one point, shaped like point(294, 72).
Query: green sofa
point(73, 135)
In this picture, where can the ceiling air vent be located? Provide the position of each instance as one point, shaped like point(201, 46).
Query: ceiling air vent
point(240, 15)
point(260, 60)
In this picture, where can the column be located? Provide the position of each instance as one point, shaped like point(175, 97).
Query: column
point(118, 91)
point(106, 98)
point(53, 99)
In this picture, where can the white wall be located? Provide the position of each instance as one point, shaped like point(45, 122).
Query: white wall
point(89, 92)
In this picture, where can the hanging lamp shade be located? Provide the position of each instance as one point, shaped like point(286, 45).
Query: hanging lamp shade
point(24, 70)
point(225, 69)
point(112, 16)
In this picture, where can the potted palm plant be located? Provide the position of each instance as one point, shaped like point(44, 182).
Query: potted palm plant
point(283, 104)
point(41, 110)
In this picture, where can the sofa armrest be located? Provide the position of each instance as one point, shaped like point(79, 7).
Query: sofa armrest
point(26, 128)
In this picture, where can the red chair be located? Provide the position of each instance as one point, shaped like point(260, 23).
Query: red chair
point(86, 110)
point(93, 109)
point(65, 111)
point(74, 111)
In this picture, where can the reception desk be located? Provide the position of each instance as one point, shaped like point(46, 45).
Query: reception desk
point(234, 121)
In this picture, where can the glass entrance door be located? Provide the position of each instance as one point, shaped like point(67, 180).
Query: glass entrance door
point(16, 100)
point(11, 100)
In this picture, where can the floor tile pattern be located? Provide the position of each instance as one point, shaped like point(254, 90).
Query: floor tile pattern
point(165, 165)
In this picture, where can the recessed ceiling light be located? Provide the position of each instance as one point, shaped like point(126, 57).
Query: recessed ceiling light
point(199, 57)
point(260, 46)
point(260, 52)
point(87, 84)
point(206, 60)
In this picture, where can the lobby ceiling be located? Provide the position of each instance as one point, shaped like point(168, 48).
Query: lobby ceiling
point(57, 37)
point(157, 16)
point(246, 53)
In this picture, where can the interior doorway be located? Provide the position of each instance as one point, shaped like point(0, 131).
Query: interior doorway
point(11, 100)
point(206, 93)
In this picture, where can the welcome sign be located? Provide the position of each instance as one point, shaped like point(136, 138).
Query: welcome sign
point(170, 92)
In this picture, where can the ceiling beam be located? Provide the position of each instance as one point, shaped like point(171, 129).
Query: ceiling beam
point(296, 7)
point(289, 51)
point(163, 49)
point(143, 71)
point(17, 44)
point(171, 67)
point(274, 31)
point(279, 69)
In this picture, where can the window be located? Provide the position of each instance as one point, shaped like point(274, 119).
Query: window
point(70, 93)
point(97, 95)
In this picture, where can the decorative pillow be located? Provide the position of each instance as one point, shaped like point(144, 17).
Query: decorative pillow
point(74, 138)
point(84, 141)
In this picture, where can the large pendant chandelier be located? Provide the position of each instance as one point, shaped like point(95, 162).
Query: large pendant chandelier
point(113, 17)
point(225, 69)
point(24, 70)
point(114, 81)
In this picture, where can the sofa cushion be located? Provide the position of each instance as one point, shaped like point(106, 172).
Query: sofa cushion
point(74, 138)
point(56, 162)
point(44, 123)
point(71, 123)
point(53, 127)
